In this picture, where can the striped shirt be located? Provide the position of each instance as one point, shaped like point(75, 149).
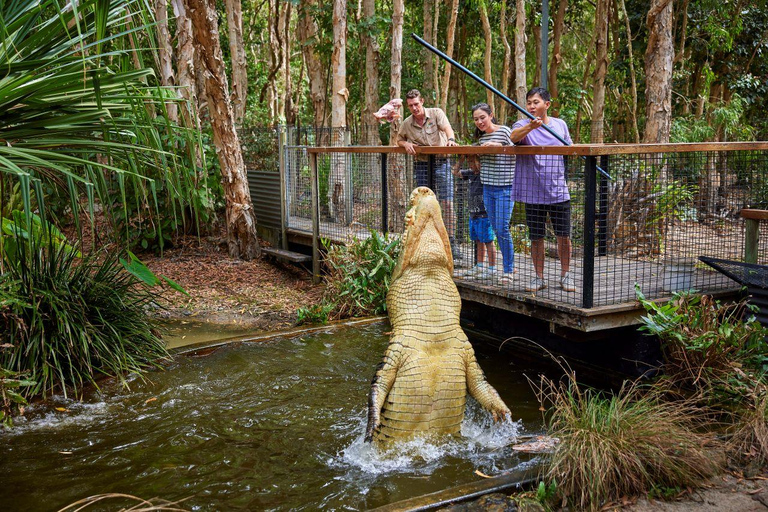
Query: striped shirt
point(497, 170)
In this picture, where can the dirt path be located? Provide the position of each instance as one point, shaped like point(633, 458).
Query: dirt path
point(258, 295)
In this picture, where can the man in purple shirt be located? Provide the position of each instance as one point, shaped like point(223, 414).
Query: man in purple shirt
point(540, 184)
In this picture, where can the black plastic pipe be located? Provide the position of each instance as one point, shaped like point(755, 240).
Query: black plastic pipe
point(495, 91)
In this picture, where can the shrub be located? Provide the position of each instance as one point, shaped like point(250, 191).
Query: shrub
point(77, 318)
point(614, 445)
point(358, 273)
point(704, 341)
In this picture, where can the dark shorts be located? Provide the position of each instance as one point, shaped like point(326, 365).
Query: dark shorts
point(443, 180)
point(559, 215)
point(480, 230)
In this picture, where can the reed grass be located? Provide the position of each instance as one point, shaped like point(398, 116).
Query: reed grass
point(622, 444)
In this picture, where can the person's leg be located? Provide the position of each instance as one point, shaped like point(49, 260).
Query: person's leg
point(480, 253)
point(535, 218)
point(560, 214)
point(499, 214)
point(537, 255)
point(564, 253)
point(491, 251)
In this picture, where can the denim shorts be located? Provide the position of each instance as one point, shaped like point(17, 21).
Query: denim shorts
point(480, 230)
point(443, 179)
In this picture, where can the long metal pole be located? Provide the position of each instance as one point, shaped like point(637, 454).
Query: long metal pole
point(544, 41)
point(495, 91)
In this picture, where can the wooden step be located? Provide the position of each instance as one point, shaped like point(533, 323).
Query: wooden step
point(282, 254)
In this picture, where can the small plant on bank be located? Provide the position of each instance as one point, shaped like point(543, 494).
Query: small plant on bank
point(11, 399)
point(622, 444)
point(358, 273)
point(315, 314)
point(78, 318)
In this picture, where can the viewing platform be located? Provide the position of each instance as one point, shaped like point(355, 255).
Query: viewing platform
point(641, 215)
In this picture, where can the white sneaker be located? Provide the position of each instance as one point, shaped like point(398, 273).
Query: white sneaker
point(567, 282)
point(536, 284)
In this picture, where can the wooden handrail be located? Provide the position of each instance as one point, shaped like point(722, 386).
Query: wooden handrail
point(576, 149)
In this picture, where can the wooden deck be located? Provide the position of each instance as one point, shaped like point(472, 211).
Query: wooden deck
point(614, 303)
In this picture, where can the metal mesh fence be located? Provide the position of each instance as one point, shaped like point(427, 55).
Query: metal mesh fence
point(644, 227)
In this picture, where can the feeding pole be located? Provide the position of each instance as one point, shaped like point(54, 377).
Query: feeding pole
point(496, 92)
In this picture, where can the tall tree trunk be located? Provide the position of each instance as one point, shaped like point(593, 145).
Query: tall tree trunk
point(288, 107)
point(536, 31)
point(503, 108)
point(396, 162)
point(308, 34)
point(270, 89)
point(237, 57)
point(631, 59)
point(449, 51)
point(584, 102)
point(368, 122)
point(436, 62)
point(185, 62)
point(557, 58)
point(520, 82)
point(488, 35)
point(165, 54)
point(658, 72)
point(601, 69)
point(396, 66)
point(337, 179)
point(429, 58)
point(241, 221)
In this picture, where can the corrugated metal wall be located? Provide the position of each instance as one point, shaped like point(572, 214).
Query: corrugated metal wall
point(265, 194)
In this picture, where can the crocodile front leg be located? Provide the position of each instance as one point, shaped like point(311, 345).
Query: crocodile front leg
point(382, 382)
point(482, 391)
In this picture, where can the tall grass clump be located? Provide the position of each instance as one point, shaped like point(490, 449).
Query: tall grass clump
point(76, 318)
point(622, 444)
point(357, 278)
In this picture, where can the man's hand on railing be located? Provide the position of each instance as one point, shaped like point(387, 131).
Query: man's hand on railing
point(410, 147)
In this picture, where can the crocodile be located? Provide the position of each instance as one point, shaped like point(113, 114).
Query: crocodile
point(421, 385)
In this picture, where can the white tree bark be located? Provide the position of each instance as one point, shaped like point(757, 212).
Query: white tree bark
point(368, 122)
point(237, 56)
point(336, 186)
point(165, 54)
point(520, 79)
point(450, 39)
point(488, 36)
point(241, 221)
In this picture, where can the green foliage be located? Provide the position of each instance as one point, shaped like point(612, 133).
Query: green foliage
point(70, 319)
point(704, 341)
point(11, 399)
point(315, 314)
point(622, 444)
point(88, 125)
point(358, 274)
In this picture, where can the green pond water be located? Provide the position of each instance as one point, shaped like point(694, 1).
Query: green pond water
point(274, 425)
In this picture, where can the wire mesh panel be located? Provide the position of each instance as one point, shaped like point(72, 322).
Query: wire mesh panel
point(581, 231)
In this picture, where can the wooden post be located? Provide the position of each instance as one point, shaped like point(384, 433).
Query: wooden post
point(384, 195)
point(752, 235)
point(281, 140)
point(315, 218)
